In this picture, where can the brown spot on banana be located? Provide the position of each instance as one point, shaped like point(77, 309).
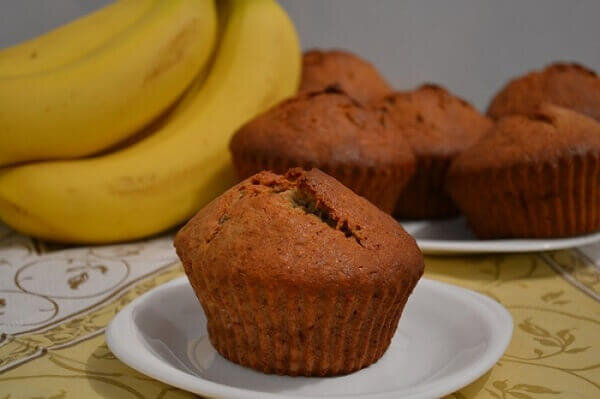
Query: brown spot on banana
point(173, 51)
point(17, 210)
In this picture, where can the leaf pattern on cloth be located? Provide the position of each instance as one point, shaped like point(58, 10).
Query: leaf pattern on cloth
point(501, 390)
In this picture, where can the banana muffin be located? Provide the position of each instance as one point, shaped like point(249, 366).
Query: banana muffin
point(329, 130)
point(531, 176)
point(438, 127)
point(298, 275)
point(568, 85)
point(357, 77)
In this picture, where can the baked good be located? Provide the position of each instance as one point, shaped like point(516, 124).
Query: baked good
point(568, 85)
point(438, 127)
point(531, 176)
point(331, 131)
point(357, 77)
point(298, 275)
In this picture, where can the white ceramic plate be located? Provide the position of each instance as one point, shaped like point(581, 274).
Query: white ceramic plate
point(447, 338)
point(453, 236)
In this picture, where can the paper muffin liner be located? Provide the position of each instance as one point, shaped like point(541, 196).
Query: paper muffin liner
point(381, 186)
point(424, 197)
point(282, 329)
point(534, 201)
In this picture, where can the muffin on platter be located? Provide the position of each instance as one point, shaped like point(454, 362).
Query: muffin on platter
point(568, 85)
point(533, 176)
point(329, 130)
point(438, 126)
point(298, 275)
point(357, 77)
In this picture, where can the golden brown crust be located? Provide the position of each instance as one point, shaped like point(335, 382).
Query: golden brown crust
point(298, 275)
point(357, 77)
point(531, 176)
point(438, 127)
point(568, 85)
point(331, 131)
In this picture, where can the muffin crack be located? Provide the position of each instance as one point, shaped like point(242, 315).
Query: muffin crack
point(220, 222)
point(542, 117)
point(313, 206)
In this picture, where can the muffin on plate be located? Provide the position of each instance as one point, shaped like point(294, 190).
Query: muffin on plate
point(438, 127)
point(298, 275)
point(568, 85)
point(357, 77)
point(331, 131)
point(533, 176)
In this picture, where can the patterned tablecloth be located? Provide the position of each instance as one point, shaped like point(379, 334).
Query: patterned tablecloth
point(55, 303)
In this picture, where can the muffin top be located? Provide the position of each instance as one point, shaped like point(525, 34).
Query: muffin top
point(435, 122)
point(568, 85)
point(305, 229)
point(357, 77)
point(324, 128)
point(545, 136)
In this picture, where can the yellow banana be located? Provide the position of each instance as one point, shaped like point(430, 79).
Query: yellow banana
point(97, 100)
point(71, 41)
point(163, 179)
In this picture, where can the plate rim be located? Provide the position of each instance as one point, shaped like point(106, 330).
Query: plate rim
point(506, 245)
point(149, 364)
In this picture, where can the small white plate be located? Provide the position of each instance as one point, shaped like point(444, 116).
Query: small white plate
point(447, 337)
point(453, 236)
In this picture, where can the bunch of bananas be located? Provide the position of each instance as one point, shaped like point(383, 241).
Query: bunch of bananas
point(149, 92)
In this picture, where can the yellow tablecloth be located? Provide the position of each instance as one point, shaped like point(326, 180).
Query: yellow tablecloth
point(554, 353)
